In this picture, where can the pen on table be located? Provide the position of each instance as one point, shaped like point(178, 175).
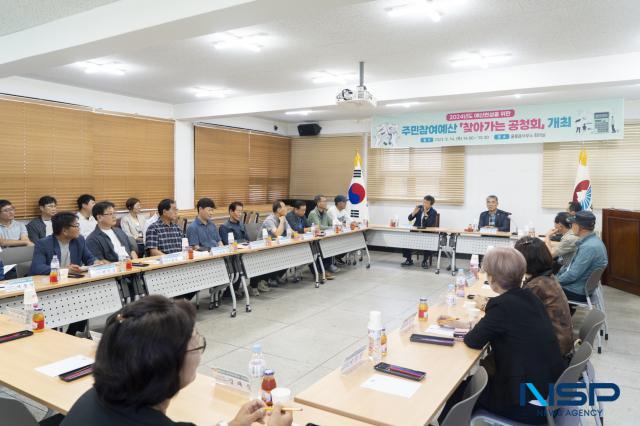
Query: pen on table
point(286, 409)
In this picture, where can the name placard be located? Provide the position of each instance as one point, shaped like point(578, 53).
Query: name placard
point(17, 284)
point(101, 270)
point(408, 323)
point(171, 258)
point(231, 380)
point(257, 244)
point(352, 361)
point(219, 250)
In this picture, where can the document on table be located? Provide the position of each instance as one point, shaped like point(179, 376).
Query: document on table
point(7, 268)
point(391, 385)
point(63, 366)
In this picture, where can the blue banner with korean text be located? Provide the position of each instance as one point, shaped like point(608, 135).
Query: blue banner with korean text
point(566, 122)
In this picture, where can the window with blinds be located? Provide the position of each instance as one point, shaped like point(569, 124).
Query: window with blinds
point(240, 165)
point(614, 168)
point(411, 173)
point(322, 165)
point(64, 152)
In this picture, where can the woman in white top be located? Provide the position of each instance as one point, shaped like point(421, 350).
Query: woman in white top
point(133, 223)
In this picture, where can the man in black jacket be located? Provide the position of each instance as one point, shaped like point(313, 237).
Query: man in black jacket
point(423, 216)
point(108, 242)
point(41, 226)
point(493, 217)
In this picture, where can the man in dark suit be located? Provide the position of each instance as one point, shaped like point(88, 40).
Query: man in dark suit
point(108, 242)
point(41, 226)
point(423, 216)
point(493, 217)
point(71, 249)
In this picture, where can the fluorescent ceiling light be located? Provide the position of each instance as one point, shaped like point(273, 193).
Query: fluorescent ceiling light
point(253, 42)
point(205, 92)
point(113, 68)
point(425, 7)
point(479, 60)
point(329, 77)
point(299, 112)
point(403, 104)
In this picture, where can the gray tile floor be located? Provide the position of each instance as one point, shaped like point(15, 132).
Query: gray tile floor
point(307, 332)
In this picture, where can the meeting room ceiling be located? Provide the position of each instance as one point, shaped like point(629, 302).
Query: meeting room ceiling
point(394, 48)
point(18, 15)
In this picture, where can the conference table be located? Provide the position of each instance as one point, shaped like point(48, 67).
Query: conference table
point(445, 368)
point(202, 402)
point(76, 299)
point(438, 239)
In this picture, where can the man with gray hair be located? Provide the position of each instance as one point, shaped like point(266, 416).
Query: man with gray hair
point(591, 254)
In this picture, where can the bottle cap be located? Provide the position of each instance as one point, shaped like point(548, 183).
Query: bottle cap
point(256, 348)
point(375, 320)
point(268, 372)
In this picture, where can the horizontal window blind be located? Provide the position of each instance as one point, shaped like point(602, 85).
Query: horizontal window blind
point(412, 173)
point(65, 152)
point(322, 165)
point(240, 165)
point(614, 168)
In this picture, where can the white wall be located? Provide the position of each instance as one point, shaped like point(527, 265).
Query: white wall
point(252, 123)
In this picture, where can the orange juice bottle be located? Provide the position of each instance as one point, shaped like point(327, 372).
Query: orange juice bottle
point(38, 318)
point(54, 269)
point(423, 309)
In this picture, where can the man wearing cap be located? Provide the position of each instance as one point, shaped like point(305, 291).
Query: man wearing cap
point(590, 255)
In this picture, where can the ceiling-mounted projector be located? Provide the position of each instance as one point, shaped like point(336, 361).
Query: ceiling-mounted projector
point(359, 96)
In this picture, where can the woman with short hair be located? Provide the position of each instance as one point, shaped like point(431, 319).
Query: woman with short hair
point(148, 352)
point(523, 344)
point(133, 223)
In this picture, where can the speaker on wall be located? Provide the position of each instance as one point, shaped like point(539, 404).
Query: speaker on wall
point(309, 129)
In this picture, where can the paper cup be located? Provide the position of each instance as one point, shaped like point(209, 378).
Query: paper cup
point(281, 396)
point(63, 274)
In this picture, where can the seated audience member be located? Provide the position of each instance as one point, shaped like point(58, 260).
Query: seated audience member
point(107, 241)
point(422, 216)
point(163, 235)
point(234, 225)
point(134, 222)
point(523, 344)
point(41, 226)
point(12, 232)
point(297, 219)
point(299, 223)
point(237, 228)
point(574, 207)
point(319, 215)
point(86, 220)
point(202, 232)
point(149, 351)
point(338, 212)
point(540, 280)
point(590, 255)
point(494, 217)
point(276, 225)
point(71, 249)
point(566, 245)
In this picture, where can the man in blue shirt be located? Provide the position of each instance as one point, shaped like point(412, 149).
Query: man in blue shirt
point(234, 225)
point(202, 232)
point(296, 217)
point(590, 255)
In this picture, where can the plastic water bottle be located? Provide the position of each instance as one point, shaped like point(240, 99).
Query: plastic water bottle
point(461, 282)
point(257, 365)
point(313, 229)
point(55, 269)
point(451, 295)
point(265, 234)
point(474, 266)
point(375, 336)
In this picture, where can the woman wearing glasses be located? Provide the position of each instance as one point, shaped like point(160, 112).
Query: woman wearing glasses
point(148, 352)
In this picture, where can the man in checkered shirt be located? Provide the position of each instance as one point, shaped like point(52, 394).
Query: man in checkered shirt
point(164, 236)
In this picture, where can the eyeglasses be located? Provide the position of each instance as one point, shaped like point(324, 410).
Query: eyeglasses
point(8, 210)
point(202, 344)
point(77, 225)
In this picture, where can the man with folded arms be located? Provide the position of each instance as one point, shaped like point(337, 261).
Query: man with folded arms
point(12, 232)
point(202, 232)
point(41, 226)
